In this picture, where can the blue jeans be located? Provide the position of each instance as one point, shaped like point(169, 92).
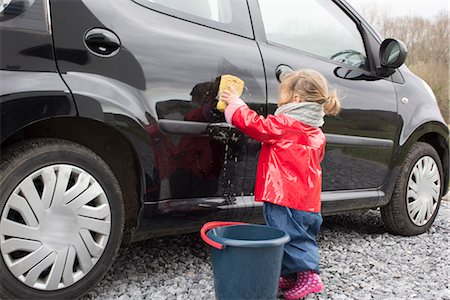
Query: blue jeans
point(302, 252)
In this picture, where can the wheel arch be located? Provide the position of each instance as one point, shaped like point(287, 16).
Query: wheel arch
point(435, 134)
point(441, 147)
point(108, 143)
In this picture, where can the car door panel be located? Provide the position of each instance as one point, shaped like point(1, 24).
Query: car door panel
point(169, 66)
point(361, 138)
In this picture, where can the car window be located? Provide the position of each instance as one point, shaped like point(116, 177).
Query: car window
point(24, 16)
point(317, 27)
point(227, 15)
point(209, 9)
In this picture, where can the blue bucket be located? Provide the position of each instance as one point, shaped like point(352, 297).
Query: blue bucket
point(246, 259)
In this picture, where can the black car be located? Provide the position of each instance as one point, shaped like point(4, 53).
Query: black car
point(109, 132)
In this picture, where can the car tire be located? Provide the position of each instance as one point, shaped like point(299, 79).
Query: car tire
point(417, 193)
point(62, 218)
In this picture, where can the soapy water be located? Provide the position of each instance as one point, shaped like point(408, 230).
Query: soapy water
point(246, 93)
point(234, 178)
point(235, 166)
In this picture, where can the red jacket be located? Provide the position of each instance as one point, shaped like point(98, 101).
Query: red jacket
point(289, 171)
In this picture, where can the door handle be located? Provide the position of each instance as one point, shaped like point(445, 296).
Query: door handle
point(102, 42)
point(223, 132)
point(182, 127)
point(281, 71)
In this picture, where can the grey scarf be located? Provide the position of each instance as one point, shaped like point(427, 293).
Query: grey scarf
point(309, 113)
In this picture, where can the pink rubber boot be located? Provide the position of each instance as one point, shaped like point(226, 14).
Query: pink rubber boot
point(289, 283)
point(286, 283)
point(311, 283)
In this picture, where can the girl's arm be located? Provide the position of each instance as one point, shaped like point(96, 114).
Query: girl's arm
point(257, 127)
point(268, 130)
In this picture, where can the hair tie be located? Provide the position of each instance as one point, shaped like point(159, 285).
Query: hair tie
point(322, 101)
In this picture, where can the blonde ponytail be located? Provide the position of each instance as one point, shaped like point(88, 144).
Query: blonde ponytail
point(310, 86)
point(332, 105)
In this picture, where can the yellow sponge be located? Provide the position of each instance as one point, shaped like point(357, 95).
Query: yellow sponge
point(228, 82)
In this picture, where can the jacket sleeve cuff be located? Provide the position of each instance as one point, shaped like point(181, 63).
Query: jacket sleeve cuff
point(232, 108)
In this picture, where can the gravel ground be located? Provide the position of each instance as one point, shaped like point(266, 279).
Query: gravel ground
point(358, 261)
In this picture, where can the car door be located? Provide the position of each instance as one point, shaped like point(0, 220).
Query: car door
point(171, 53)
point(324, 36)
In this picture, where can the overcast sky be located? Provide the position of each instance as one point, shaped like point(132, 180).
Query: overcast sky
point(422, 8)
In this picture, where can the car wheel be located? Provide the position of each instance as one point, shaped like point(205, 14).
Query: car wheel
point(61, 220)
point(417, 193)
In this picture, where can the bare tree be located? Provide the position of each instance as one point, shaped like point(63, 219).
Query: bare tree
point(428, 43)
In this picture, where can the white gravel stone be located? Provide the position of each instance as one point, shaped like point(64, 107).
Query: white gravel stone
point(358, 261)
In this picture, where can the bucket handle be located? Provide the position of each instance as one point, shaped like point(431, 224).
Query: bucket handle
point(210, 225)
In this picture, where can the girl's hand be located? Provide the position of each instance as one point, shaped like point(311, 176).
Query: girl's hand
point(229, 96)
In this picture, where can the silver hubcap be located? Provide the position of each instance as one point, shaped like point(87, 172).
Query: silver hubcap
point(424, 187)
point(55, 227)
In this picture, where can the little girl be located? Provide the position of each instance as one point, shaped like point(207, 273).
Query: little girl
point(289, 176)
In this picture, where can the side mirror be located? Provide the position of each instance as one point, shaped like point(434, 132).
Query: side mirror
point(392, 53)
